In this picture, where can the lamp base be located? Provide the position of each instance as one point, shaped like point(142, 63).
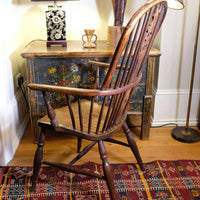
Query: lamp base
point(188, 135)
point(57, 43)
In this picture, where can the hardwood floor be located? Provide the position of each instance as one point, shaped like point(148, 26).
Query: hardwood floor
point(59, 148)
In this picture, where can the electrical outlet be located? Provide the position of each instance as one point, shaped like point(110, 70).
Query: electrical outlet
point(18, 76)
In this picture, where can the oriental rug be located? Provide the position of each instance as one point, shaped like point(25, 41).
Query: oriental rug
point(160, 180)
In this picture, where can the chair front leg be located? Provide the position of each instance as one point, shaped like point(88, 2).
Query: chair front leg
point(38, 158)
point(108, 172)
point(133, 145)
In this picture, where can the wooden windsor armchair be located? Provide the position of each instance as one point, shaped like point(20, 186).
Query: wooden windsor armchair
point(94, 120)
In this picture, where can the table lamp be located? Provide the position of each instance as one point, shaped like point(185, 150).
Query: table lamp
point(56, 26)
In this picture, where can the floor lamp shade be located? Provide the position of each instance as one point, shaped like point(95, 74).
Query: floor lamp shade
point(55, 23)
point(175, 4)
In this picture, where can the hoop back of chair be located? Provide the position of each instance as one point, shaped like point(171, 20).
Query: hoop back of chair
point(136, 42)
point(131, 54)
point(90, 119)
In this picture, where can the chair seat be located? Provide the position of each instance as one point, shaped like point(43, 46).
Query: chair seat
point(64, 119)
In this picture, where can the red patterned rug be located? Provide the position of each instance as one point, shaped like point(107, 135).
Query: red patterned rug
point(161, 180)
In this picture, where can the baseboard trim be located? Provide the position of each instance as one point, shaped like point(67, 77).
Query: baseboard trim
point(180, 122)
point(171, 107)
point(24, 117)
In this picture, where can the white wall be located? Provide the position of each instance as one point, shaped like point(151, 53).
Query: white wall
point(13, 113)
point(23, 21)
point(177, 47)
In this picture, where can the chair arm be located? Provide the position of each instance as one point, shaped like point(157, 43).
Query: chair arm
point(99, 64)
point(102, 64)
point(63, 89)
point(82, 91)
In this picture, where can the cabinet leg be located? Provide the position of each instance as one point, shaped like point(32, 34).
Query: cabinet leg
point(146, 117)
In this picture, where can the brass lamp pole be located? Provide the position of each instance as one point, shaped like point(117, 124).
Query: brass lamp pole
point(186, 134)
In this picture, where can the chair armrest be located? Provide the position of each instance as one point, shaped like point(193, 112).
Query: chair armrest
point(82, 91)
point(99, 64)
point(63, 89)
point(102, 64)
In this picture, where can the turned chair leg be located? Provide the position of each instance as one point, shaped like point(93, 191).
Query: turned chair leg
point(108, 172)
point(133, 145)
point(37, 159)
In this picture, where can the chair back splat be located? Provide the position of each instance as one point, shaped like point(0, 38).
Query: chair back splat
point(98, 113)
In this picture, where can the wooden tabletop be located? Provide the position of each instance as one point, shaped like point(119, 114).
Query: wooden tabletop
point(38, 48)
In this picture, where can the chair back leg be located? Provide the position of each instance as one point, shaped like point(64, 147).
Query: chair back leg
point(133, 145)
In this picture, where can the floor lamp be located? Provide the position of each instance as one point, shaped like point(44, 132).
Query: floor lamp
point(186, 134)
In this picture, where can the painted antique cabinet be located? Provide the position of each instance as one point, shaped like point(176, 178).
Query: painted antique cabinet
point(68, 66)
